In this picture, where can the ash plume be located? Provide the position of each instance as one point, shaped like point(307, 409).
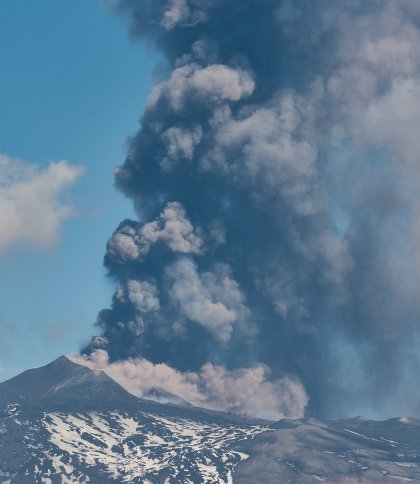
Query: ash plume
point(275, 177)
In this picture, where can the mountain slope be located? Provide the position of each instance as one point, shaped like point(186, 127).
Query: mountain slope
point(64, 423)
point(351, 450)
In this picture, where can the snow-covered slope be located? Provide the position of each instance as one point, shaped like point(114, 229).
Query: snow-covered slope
point(114, 446)
point(64, 423)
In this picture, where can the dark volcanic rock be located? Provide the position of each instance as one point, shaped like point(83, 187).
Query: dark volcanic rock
point(63, 381)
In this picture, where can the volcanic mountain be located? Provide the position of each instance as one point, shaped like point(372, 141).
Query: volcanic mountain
point(65, 423)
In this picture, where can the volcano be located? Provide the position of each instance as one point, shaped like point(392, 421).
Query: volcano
point(66, 423)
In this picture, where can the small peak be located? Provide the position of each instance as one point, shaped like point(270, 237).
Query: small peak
point(62, 359)
point(63, 381)
point(63, 363)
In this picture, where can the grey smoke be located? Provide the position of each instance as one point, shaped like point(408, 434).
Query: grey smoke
point(246, 390)
point(276, 180)
point(171, 228)
point(211, 299)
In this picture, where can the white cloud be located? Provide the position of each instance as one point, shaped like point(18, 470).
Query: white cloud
point(31, 210)
point(244, 390)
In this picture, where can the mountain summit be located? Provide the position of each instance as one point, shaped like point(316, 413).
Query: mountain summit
point(63, 381)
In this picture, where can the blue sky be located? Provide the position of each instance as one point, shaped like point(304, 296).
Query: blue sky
point(72, 88)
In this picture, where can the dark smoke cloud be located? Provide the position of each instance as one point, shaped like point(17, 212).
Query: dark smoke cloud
point(275, 177)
